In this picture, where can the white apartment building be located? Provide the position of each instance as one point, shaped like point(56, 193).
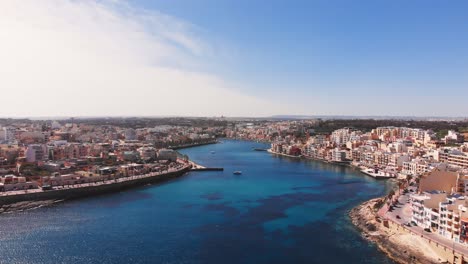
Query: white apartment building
point(449, 219)
point(338, 155)
point(36, 152)
point(416, 167)
point(446, 215)
point(341, 136)
point(397, 159)
point(452, 156)
point(9, 134)
point(318, 139)
point(425, 208)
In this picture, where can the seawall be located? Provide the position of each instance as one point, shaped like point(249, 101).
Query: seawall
point(193, 145)
point(81, 192)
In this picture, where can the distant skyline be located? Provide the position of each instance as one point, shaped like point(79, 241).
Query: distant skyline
point(233, 58)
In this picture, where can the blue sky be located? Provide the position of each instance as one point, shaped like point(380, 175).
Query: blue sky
point(337, 49)
point(234, 58)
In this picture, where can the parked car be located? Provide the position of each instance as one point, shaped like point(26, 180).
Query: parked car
point(398, 217)
point(427, 230)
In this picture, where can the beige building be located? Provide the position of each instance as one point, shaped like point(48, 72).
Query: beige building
point(441, 180)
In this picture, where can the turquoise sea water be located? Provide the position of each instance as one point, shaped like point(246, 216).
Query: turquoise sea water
point(280, 210)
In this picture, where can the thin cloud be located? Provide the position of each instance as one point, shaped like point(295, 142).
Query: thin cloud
point(108, 58)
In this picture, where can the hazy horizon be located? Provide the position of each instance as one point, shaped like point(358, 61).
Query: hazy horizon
point(284, 117)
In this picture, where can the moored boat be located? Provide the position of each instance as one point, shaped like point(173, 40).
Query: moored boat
point(377, 174)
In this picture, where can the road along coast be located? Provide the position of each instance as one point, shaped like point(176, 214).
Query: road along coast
point(24, 201)
point(399, 243)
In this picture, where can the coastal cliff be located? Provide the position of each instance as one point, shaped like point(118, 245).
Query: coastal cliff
point(400, 246)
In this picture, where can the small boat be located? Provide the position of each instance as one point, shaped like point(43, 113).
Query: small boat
point(212, 152)
point(237, 172)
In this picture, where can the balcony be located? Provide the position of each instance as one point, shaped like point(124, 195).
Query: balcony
point(417, 216)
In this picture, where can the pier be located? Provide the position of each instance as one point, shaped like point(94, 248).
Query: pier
point(198, 167)
point(207, 169)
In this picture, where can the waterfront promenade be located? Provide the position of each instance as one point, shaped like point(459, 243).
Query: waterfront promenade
point(94, 188)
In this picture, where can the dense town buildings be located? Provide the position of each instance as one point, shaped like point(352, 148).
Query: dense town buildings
point(437, 165)
point(54, 153)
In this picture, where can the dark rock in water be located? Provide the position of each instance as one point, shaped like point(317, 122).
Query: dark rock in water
point(371, 227)
point(26, 205)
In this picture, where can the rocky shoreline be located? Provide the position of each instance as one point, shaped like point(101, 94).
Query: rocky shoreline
point(396, 245)
point(26, 205)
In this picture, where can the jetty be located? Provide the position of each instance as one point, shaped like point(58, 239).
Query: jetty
point(198, 167)
point(207, 169)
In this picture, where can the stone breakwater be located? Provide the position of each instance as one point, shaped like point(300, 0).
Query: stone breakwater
point(193, 145)
point(395, 241)
point(27, 201)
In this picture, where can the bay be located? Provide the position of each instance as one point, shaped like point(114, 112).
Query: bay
point(279, 210)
